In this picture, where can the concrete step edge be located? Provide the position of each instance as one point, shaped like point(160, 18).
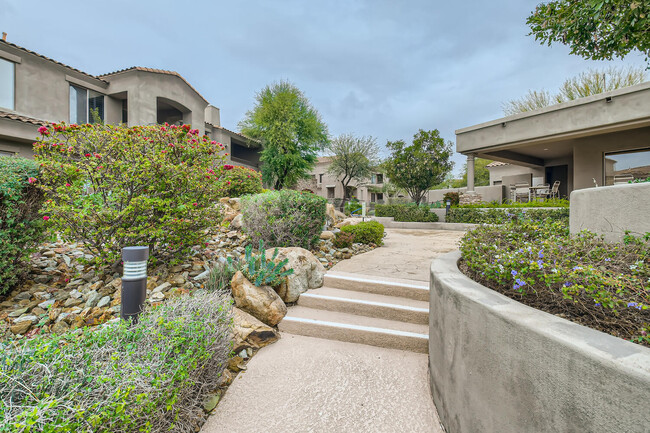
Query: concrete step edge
point(372, 329)
point(365, 302)
point(369, 280)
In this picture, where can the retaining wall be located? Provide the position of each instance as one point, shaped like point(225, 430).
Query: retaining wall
point(611, 210)
point(498, 366)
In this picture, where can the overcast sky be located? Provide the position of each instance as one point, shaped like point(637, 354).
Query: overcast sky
point(380, 68)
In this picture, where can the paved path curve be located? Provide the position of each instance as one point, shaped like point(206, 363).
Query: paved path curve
point(305, 384)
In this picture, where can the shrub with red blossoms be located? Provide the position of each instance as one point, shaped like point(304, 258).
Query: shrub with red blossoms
point(111, 187)
point(236, 181)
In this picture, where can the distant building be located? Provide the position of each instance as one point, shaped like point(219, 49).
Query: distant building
point(36, 90)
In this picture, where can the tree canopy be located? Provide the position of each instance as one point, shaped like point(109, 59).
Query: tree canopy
point(594, 29)
point(291, 132)
point(591, 82)
point(353, 158)
point(420, 166)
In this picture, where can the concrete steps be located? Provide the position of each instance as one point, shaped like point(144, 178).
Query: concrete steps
point(360, 309)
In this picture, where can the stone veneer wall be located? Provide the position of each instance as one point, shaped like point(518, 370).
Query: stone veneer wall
point(498, 366)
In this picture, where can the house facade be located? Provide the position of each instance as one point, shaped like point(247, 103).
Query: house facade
point(599, 140)
point(35, 90)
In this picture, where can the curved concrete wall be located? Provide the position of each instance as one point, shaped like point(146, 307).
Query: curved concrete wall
point(499, 366)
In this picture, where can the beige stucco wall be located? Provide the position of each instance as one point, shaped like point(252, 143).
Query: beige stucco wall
point(488, 193)
point(497, 173)
point(611, 210)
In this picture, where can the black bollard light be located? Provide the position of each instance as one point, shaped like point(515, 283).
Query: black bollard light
point(134, 282)
point(448, 207)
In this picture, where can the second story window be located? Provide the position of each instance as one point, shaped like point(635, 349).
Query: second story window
point(86, 106)
point(7, 84)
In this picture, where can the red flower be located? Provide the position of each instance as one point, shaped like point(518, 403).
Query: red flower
point(31, 179)
point(195, 204)
point(43, 130)
point(45, 218)
point(227, 167)
point(87, 154)
point(67, 184)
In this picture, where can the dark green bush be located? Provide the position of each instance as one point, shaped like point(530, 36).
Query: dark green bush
point(343, 240)
point(283, 218)
point(592, 282)
point(21, 226)
point(452, 196)
point(501, 215)
point(406, 212)
point(369, 232)
point(147, 377)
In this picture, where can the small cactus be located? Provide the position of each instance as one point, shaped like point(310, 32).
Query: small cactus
point(263, 272)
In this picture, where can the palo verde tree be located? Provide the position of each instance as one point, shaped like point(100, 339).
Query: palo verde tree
point(594, 29)
point(420, 166)
point(591, 82)
point(291, 132)
point(353, 158)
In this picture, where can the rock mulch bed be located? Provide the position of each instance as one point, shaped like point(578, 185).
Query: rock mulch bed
point(63, 293)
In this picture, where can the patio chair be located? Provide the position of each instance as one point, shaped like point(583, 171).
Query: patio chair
point(522, 191)
point(555, 191)
point(543, 191)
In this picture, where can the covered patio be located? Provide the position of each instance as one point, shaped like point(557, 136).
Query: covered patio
point(594, 141)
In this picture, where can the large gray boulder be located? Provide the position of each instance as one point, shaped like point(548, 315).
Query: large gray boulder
point(261, 302)
point(308, 272)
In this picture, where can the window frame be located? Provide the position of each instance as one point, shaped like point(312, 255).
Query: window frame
point(13, 86)
point(620, 152)
point(87, 104)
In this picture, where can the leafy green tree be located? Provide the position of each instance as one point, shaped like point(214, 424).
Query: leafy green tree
point(591, 82)
point(420, 166)
point(290, 130)
point(353, 159)
point(594, 29)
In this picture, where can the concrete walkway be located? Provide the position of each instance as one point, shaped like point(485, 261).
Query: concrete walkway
point(306, 384)
point(406, 254)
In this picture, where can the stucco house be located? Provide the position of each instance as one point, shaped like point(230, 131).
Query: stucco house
point(35, 90)
point(594, 141)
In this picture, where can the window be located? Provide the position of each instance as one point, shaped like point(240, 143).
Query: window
point(86, 106)
point(330, 192)
point(623, 167)
point(380, 196)
point(320, 178)
point(380, 178)
point(7, 84)
point(125, 111)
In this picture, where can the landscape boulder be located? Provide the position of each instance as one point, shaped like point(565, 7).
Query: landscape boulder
point(327, 235)
point(308, 272)
point(348, 222)
point(250, 332)
point(261, 302)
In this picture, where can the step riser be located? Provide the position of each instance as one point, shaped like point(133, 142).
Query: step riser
point(410, 292)
point(364, 309)
point(351, 335)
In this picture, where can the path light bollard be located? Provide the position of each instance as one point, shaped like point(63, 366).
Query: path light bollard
point(134, 281)
point(448, 207)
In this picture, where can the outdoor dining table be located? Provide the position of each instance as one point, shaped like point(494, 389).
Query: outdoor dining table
point(533, 191)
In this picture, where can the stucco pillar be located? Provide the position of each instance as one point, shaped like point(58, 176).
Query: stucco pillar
point(470, 173)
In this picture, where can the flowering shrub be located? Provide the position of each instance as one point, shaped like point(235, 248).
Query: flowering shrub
point(283, 218)
point(503, 215)
point(452, 196)
point(120, 378)
point(369, 232)
point(113, 186)
point(343, 240)
point(235, 181)
point(582, 278)
point(406, 212)
point(21, 226)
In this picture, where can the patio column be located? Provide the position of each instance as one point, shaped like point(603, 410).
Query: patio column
point(470, 173)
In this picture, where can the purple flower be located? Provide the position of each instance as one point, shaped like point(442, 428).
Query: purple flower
point(568, 284)
point(632, 304)
point(608, 259)
point(540, 263)
point(577, 268)
point(513, 272)
point(541, 255)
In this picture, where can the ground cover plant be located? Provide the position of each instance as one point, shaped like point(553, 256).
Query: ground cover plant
point(581, 278)
point(112, 186)
point(149, 377)
point(406, 212)
point(235, 181)
point(555, 202)
point(473, 215)
point(283, 218)
point(368, 232)
point(21, 225)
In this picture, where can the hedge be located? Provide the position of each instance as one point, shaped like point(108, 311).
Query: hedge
point(21, 226)
point(369, 232)
point(147, 377)
point(406, 212)
point(501, 215)
point(283, 218)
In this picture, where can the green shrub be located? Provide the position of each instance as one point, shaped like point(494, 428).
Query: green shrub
point(21, 226)
point(500, 216)
point(262, 271)
point(589, 281)
point(554, 202)
point(283, 218)
point(120, 378)
point(368, 232)
point(235, 181)
point(221, 275)
point(406, 212)
point(352, 206)
point(452, 196)
point(113, 186)
point(343, 240)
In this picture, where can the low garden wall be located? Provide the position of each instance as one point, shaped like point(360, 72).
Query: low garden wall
point(611, 210)
point(499, 366)
point(390, 223)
